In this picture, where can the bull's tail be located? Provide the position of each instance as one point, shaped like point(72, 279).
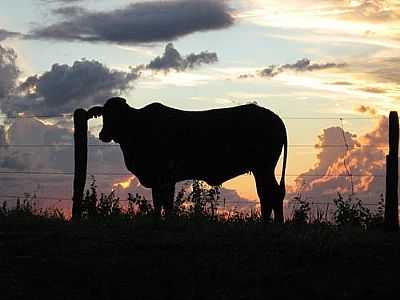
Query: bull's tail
point(285, 150)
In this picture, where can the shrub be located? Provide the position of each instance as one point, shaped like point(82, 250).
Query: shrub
point(351, 211)
point(27, 209)
point(301, 210)
point(201, 201)
point(378, 216)
point(103, 206)
point(138, 205)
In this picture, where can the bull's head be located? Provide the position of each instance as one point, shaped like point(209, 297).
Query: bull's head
point(113, 113)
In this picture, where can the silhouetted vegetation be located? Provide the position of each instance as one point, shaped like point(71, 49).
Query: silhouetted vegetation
point(348, 212)
point(26, 209)
point(198, 201)
point(118, 252)
point(301, 210)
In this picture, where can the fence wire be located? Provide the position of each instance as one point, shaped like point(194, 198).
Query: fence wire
point(346, 146)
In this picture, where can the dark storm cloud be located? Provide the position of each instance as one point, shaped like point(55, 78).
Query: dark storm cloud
point(5, 34)
point(69, 11)
point(64, 88)
point(172, 60)
point(61, 1)
point(54, 158)
point(270, 71)
point(246, 76)
point(3, 138)
point(143, 22)
point(9, 71)
point(84, 83)
point(302, 65)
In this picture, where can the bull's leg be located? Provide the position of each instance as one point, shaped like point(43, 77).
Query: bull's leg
point(157, 200)
point(168, 198)
point(163, 197)
point(277, 206)
point(268, 191)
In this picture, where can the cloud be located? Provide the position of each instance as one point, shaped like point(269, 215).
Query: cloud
point(143, 22)
point(344, 83)
point(3, 137)
point(366, 109)
point(372, 11)
point(378, 75)
point(62, 2)
point(54, 158)
point(302, 65)
point(366, 156)
point(305, 65)
point(172, 60)
point(383, 69)
point(374, 90)
point(9, 71)
point(64, 88)
point(5, 34)
point(84, 83)
point(270, 71)
point(360, 21)
point(246, 76)
point(69, 11)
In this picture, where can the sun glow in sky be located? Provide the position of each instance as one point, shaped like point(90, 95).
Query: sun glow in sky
point(301, 59)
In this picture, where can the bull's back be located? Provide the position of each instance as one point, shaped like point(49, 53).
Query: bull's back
point(239, 126)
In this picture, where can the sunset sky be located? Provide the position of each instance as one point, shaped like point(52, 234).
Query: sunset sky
point(312, 62)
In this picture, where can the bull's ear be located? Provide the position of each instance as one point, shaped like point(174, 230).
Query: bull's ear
point(95, 112)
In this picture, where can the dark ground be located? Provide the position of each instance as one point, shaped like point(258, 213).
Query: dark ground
point(194, 260)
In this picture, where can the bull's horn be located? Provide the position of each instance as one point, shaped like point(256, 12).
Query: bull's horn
point(95, 111)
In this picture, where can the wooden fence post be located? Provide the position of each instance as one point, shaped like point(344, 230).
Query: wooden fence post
point(80, 152)
point(392, 176)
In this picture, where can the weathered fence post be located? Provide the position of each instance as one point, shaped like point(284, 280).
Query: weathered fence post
point(80, 152)
point(392, 176)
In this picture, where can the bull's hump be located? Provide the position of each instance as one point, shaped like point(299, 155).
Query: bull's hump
point(155, 105)
point(158, 107)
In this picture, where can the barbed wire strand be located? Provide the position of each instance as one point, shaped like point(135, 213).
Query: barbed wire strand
point(117, 145)
point(129, 174)
point(33, 198)
point(348, 169)
point(55, 116)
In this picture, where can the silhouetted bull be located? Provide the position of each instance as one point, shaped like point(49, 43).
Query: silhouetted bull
point(162, 146)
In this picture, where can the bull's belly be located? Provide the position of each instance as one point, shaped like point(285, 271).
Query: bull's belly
point(214, 173)
point(212, 167)
point(219, 179)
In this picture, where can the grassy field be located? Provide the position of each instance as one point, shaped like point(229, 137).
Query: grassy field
point(44, 258)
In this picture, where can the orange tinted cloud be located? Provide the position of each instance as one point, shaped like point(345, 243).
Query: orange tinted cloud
point(366, 156)
point(365, 109)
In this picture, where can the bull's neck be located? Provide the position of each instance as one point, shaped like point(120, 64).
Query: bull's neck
point(127, 124)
